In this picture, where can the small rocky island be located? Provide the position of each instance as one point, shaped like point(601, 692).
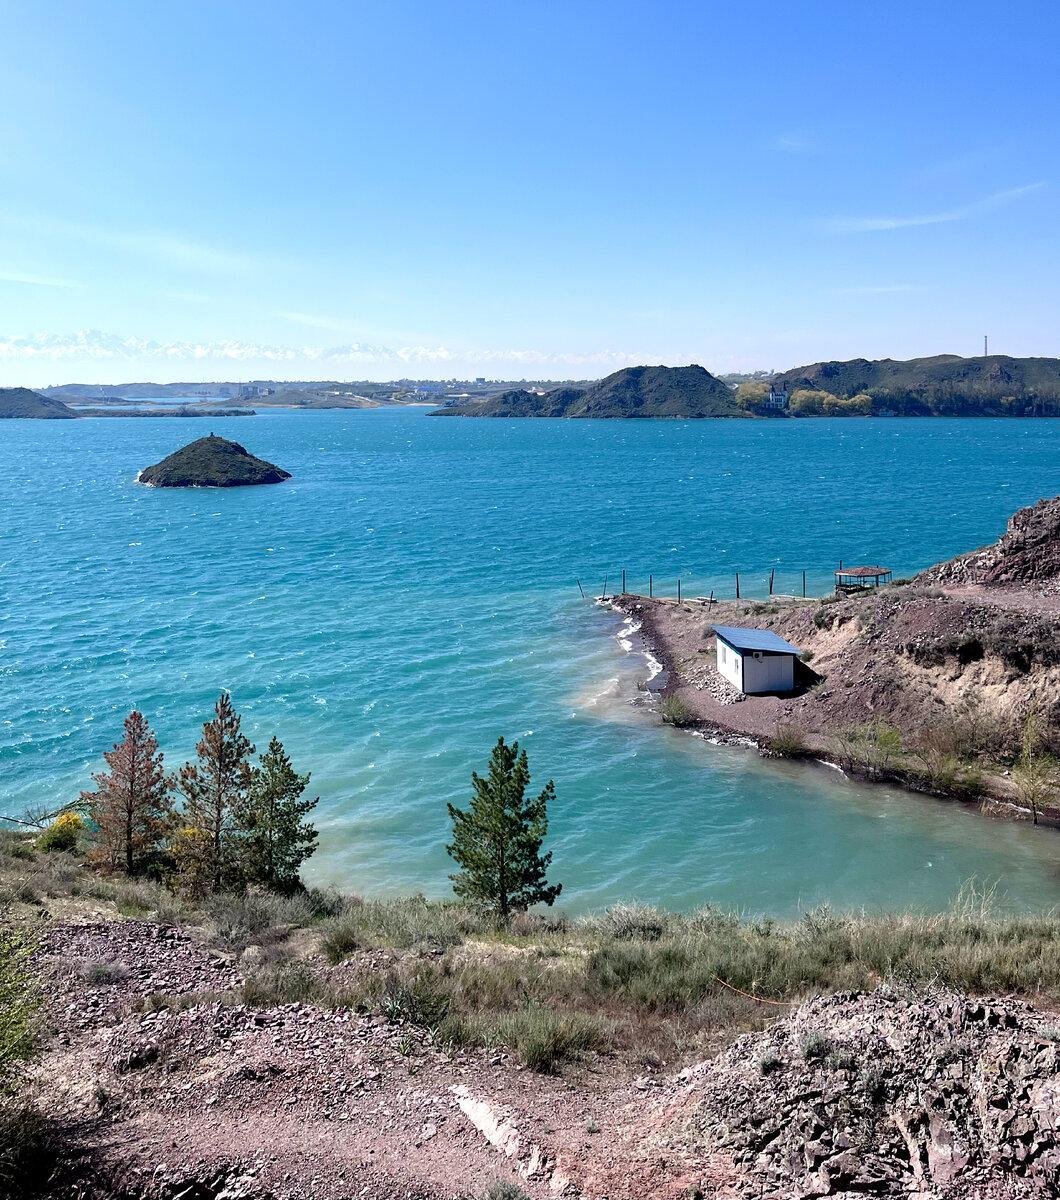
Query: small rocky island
point(212, 462)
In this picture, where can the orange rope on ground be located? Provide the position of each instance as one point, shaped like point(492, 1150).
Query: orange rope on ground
point(749, 995)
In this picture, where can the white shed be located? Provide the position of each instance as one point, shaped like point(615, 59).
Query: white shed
point(755, 660)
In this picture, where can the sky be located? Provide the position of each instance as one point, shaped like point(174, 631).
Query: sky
point(521, 188)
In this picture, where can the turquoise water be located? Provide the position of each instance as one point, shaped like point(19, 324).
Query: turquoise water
point(412, 593)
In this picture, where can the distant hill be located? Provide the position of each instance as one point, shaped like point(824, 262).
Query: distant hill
point(632, 392)
point(944, 385)
point(21, 402)
point(212, 462)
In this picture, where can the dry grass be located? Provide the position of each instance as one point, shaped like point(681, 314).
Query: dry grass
point(651, 984)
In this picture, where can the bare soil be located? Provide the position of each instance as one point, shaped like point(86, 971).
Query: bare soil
point(889, 1093)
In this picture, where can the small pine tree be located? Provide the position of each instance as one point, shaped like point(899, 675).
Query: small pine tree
point(132, 806)
point(274, 839)
point(214, 789)
point(497, 841)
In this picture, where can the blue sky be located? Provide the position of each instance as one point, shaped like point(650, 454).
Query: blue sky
point(521, 189)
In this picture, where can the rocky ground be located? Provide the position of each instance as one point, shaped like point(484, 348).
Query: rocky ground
point(892, 1093)
point(186, 1095)
point(175, 1091)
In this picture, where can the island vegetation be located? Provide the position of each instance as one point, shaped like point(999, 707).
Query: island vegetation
point(22, 404)
point(945, 385)
point(632, 392)
point(212, 461)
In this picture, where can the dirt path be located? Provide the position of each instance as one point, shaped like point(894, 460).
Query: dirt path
point(307, 1103)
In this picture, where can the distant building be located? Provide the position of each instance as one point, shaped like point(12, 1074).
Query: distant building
point(778, 396)
point(755, 661)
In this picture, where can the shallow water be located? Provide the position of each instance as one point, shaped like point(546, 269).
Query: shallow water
point(412, 593)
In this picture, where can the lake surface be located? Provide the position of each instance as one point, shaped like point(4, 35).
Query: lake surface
point(412, 593)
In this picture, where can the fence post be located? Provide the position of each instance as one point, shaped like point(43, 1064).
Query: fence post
point(771, 570)
point(737, 585)
point(649, 587)
point(623, 581)
point(679, 591)
point(804, 585)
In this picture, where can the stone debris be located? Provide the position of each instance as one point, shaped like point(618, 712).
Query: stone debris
point(1027, 553)
point(889, 1094)
point(707, 679)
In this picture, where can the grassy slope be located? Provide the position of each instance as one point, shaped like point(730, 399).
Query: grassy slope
point(997, 375)
point(21, 402)
point(637, 982)
point(632, 392)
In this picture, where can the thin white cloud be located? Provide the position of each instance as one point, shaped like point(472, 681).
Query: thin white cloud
point(96, 346)
point(30, 279)
point(961, 213)
point(159, 246)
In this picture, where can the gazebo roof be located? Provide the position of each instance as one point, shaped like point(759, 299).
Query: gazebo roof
point(863, 572)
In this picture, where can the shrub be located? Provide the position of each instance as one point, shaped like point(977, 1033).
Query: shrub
point(402, 925)
point(104, 973)
point(15, 845)
point(298, 983)
point(632, 922)
point(62, 833)
point(503, 1190)
point(18, 1009)
point(674, 711)
point(789, 741)
point(418, 1000)
point(770, 1062)
point(237, 919)
point(540, 924)
point(545, 1038)
point(325, 903)
point(816, 1046)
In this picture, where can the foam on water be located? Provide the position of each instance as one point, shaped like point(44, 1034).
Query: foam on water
point(411, 594)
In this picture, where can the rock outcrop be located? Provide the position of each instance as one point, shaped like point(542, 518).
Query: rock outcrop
point(1027, 553)
point(212, 462)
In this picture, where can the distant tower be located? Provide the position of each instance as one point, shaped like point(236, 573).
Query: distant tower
point(986, 352)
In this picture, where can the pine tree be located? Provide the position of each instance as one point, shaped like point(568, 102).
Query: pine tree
point(274, 839)
point(132, 805)
point(214, 789)
point(497, 841)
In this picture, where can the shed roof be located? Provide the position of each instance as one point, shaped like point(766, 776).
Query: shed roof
point(754, 639)
point(863, 572)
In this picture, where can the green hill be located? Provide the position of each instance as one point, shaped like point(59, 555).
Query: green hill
point(22, 403)
point(632, 392)
point(944, 385)
point(212, 462)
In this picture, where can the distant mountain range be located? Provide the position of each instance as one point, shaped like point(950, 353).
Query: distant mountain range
point(944, 385)
point(632, 392)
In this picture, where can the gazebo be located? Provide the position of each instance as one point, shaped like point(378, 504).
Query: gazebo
point(854, 579)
